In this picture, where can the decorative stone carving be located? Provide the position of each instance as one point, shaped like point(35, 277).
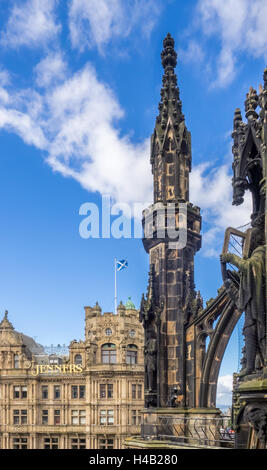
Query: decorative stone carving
point(256, 416)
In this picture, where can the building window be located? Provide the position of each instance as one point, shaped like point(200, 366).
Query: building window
point(16, 392)
point(134, 417)
point(110, 390)
point(102, 390)
point(44, 416)
point(106, 417)
point(139, 390)
point(82, 391)
point(74, 391)
point(44, 392)
point(131, 354)
point(56, 417)
point(78, 417)
point(20, 443)
point(16, 417)
point(134, 391)
point(16, 361)
point(106, 390)
point(19, 417)
point(109, 353)
point(54, 360)
point(56, 392)
point(51, 443)
point(78, 359)
point(78, 391)
point(19, 392)
point(108, 332)
point(78, 443)
point(106, 443)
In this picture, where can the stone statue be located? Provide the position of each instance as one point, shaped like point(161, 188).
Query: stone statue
point(251, 299)
point(151, 358)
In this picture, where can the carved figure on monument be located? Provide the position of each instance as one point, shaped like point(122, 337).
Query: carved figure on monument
point(251, 299)
point(151, 358)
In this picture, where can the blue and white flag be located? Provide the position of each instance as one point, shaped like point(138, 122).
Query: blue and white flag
point(122, 264)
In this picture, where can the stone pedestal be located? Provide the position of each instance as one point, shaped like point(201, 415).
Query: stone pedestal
point(250, 412)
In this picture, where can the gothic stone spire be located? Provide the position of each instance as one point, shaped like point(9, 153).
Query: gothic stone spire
point(171, 141)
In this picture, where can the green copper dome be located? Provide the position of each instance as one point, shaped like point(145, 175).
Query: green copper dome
point(130, 305)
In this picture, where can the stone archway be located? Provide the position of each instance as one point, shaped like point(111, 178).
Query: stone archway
point(202, 384)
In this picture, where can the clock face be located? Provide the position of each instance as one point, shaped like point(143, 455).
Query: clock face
point(108, 332)
point(132, 333)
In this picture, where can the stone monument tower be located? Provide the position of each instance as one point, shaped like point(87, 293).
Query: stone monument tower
point(171, 238)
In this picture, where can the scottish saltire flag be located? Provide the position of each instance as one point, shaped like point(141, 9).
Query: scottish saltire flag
point(122, 264)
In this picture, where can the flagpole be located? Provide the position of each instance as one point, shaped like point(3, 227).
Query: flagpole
point(115, 276)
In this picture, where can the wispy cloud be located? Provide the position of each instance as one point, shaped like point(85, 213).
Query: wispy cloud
point(51, 70)
point(31, 23)
point(76, 123)
point(211, 189)
point(232, 28)
point(224, 390)
point(97, 22)
point(192, 53)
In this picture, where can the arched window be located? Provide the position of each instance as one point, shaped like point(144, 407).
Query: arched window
point(131, 354)
point(78, 359)
point(109, 353)
point(16, 361)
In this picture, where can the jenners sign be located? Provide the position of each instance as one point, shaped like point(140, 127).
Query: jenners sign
point(56, 369)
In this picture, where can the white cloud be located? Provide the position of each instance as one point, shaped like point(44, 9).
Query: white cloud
point(192, 53)
point(50, 70)
point(76, 123)
point(211, 190)
point(30, 23)
point(99, 21)
point(224, 390)
point(22, 124)
point(4, 77)
point(239, 26)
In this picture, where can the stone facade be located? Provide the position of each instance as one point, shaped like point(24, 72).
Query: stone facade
point(91, 398)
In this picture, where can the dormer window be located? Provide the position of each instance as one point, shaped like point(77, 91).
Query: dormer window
point(54, 360)
point(78, 359)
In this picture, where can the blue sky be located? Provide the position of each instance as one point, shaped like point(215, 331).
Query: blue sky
point(79, 88)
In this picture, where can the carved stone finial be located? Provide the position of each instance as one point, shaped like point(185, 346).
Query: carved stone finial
point(251, 104)
point(168, 55)
point(237, 118)
point(5, 324)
